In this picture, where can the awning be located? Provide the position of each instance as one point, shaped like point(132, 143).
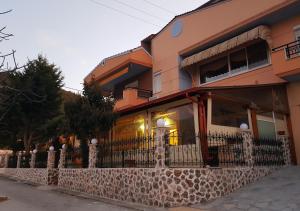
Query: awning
point(260, 32)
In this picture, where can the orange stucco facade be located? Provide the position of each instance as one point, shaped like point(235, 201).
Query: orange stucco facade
point(204, 28)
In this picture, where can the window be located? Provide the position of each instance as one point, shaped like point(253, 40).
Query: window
point(228, 113)
point(214, 70)
point(257, 55)
point(156, 82)
point(297, 32)
point(180, 123)
point(130, 127)
point(238, 61)
point(241, 60)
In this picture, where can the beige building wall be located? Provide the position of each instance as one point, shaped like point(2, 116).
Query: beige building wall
point(199, 28)
point(293, 90)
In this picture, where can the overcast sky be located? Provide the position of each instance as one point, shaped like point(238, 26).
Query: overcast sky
point(77, 34)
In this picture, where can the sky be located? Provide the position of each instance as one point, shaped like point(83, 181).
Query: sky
point(77, 34)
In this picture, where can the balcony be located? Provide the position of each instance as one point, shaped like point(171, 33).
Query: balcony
point(132, 97)
point(286, 60)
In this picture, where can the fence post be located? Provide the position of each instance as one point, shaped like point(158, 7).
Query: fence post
point(51, 158)
point(6, 159)
point(248, 147)
point(286, 149)
point(62, 157)
point(160, 151)
point(93, 153)
point(33, 158)
point(19, 159)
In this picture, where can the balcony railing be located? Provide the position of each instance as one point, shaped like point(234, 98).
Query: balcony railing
point(292, 49)
point(132, 97)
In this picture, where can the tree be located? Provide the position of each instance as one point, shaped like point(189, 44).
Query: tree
point(29, 100)
point(90, 115)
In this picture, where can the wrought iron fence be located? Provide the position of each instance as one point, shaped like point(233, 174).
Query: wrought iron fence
point(41, 159)
point(223, 150)
point(12, 161)
point(135, 152)
point(75, 158)
point(25, 161)
point(268, 152)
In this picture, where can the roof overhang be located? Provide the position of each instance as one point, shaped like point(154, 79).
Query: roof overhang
point(192, 92)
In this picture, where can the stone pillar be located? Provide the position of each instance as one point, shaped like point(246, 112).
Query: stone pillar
point(51, 158)
point(19, 159)
point(62, 157)
point(248, 147)
point(93, 153)
point(160, 144)
point(33, 158)
point(6, 159)
point(286, 149)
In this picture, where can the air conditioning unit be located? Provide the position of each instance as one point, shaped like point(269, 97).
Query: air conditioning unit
point(153, 98)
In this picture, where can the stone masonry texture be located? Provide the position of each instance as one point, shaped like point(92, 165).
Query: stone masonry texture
point(160, 187)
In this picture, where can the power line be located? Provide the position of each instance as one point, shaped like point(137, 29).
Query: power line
point(124, 13)
point(142, 11)
point(162, 8)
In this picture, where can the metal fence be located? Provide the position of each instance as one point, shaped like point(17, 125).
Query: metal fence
point(75, 158)
point(223, 150)
point(134, 152)
point(41, 159)
point(12, 161)
point(268, 152)
point(25, 161)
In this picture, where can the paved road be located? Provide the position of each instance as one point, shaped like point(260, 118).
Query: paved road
point(279, 191)
point(41, 198)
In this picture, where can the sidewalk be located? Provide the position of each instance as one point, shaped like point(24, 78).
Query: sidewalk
point(279, 191)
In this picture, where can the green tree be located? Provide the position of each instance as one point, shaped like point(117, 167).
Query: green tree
point(29, 100)
point(90, 116)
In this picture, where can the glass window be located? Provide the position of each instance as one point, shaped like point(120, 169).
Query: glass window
point(157, 82)
point(180, 122)
point(228, 113)
point(214, 70)
point(238, 61)
point(129, 127)
point(257, 54)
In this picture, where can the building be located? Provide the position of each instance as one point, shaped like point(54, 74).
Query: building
point(212, 69)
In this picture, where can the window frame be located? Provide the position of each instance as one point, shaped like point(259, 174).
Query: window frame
point(230, 74)
point(155, 89)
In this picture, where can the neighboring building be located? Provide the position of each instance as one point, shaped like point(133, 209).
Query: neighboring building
point(225, 63)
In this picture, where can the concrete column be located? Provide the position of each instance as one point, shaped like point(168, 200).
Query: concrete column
point(6, 159)
point(93, 153)
point(33, 158)
point(62, 157)
point(19, 159)
point(160, 145)
point(248, 147)
point(51, 158)
point(286, 149)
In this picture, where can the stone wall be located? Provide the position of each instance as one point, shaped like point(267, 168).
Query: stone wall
point(33, 175)
point(160, 187)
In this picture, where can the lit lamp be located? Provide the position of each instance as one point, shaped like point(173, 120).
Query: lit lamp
point(94, 141)
point(244, 126)
point(51, 148)
point(34, 151)
point(63, 146)
point(160, 123)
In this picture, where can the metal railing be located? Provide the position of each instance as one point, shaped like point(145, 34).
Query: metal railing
point(292, 49)
point(224, 150)
point(41, 159)
point(25, 161)
point(124, 153)
point(268, 152)
point(75, 158)
point(12, 161)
